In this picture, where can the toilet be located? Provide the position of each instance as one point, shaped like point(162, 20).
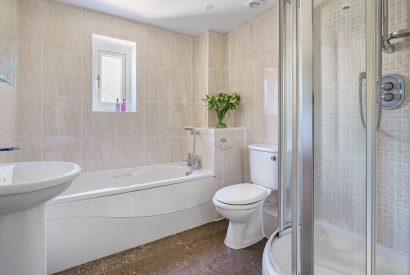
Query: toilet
point(242, 204)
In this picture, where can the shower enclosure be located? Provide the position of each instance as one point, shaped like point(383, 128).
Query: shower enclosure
point(345, 138)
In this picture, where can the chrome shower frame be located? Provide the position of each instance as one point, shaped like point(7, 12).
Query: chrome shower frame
point(302, 132)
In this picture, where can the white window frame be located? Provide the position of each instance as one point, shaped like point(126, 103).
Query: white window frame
point(127, 51)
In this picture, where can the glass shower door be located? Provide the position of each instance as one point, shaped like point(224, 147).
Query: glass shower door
point(339, 58)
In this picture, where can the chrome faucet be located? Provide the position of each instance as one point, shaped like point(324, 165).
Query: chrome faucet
point(192, 161)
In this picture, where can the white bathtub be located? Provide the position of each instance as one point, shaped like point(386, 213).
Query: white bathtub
point(103, 213)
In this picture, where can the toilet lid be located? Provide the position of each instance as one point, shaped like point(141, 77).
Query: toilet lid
point(244, 193)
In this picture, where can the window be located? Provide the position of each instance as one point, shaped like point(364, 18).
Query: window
point(114, 75)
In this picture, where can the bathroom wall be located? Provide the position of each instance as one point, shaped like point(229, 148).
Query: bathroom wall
point(210, 75)
point(225, 159)
point(8, 44)
point(54, 118)
point(252, 71)
point(340, 156)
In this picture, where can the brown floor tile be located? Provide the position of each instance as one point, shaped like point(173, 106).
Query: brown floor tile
point(94, 267)
point(197, 251)
point(203, 231)
point(236, 262)
point(210, 247)
point(140, 252)
point(167, 262)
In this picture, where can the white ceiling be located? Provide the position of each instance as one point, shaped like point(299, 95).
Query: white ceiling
point(185, 16)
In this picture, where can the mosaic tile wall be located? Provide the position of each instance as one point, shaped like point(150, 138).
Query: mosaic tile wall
point(340, 155)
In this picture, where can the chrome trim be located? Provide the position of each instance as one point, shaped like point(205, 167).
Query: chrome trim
point(295, 141)
point(281, 119)
point(306, 185)
point(373, 71)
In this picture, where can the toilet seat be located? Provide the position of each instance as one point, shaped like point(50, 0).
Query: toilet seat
point(241, 194)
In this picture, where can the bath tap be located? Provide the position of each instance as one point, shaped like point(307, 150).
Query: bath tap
point(192, 161)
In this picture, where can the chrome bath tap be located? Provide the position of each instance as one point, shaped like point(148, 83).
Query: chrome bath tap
point(192, 161)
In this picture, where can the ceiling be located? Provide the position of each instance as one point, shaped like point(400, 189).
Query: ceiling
point(185, 16)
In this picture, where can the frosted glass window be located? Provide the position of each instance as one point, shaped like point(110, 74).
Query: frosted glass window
point(114, 75)
point(112, 78)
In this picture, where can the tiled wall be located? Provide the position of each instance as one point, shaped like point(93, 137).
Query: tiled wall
point(225, 159)
point(340, 156)
point(252, 71)
point(54, 118)
point(8, 42)
point(7, 117)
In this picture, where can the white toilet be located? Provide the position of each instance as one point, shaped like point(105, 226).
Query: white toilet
point(242, 204)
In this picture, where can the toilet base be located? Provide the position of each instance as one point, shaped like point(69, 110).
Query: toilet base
point(241, 235)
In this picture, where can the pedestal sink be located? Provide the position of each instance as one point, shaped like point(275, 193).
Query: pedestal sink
point(24, 189)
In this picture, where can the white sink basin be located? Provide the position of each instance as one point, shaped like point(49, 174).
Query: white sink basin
point(30, 184)
point(24, 190)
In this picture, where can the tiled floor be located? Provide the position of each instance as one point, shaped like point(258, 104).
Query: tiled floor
point(197, 251)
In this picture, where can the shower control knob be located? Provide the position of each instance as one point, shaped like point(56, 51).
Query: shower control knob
point(273, 158)
point(387, 86)
point(388, 96)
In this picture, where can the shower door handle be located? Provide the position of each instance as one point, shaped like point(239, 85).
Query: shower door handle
point(362, 77)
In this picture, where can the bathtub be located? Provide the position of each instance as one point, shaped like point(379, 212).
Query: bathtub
point(106, 212)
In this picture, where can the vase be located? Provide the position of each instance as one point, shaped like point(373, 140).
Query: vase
point(220, 123)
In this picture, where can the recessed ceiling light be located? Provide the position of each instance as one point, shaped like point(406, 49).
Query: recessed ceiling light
point(254, 3)
point(210, 7)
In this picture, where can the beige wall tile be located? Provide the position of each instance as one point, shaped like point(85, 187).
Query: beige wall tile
point(62, 74)
point(180, 86)
point(130, 152)
point(157, 151)
point(216, 81)
point(98, 154)
point(95, 23)
point(28, 152)
point(156, 47)
point(29, 117)
point(179, 148)
point(157, 120)
point(180, 117)
point(181, 52)
point(62, 120)
point(245, 41)
point(130, 125)
point(8, 101)
point(30, 26)
point(96, 125)
point(246, 81)
point(62, 150)
point(62, 27)
point(217, 50)
point(156, 84)
point(266, 77)
point(30, 71)
point(266, 33)
point(132, 31)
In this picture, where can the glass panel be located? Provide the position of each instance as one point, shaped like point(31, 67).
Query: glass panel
point(392, 158)
point(339, 53)
point(286, 130)
point(112, 77)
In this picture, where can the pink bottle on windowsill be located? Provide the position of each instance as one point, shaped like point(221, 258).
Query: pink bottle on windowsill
point(123, 105)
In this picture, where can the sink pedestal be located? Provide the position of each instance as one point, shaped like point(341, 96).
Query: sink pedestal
point(22, 242)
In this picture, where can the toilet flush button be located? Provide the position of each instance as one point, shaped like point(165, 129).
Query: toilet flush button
point(273, 158)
